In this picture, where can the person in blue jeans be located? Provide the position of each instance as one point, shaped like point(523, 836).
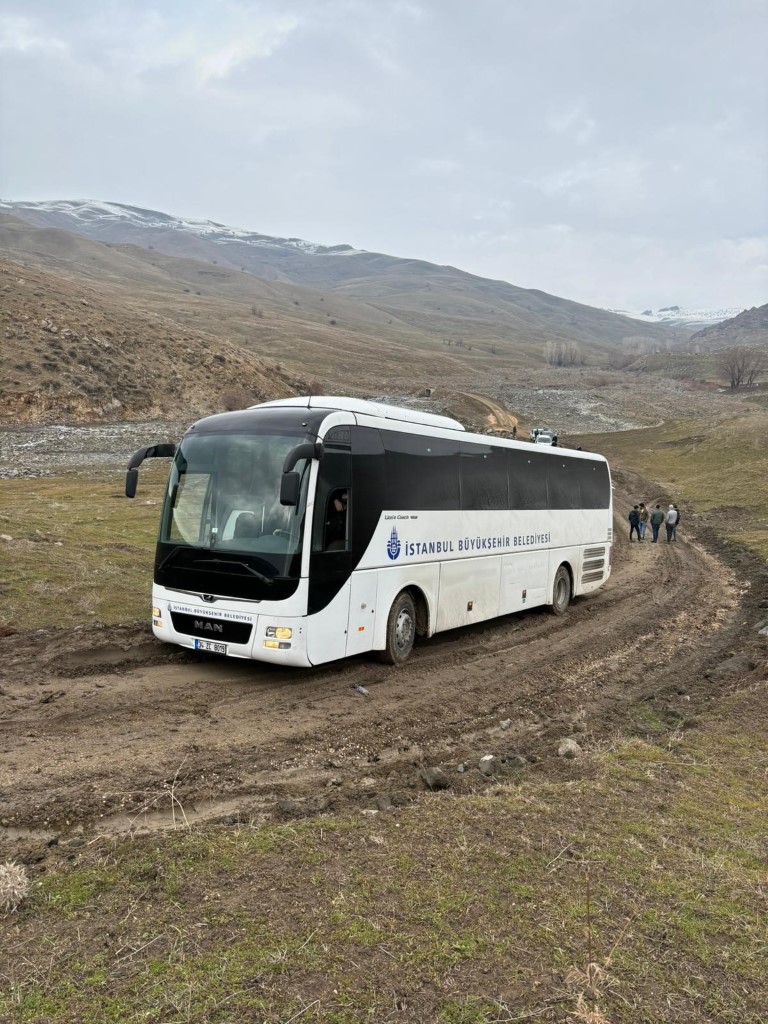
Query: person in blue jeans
point(657, 518)
point(643, 520)
point(634, 523)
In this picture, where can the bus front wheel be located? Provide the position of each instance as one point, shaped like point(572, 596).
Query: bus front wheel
point(401, 630)
point(561, 591)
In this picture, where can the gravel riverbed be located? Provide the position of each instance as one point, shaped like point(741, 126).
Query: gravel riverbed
point(42, 451)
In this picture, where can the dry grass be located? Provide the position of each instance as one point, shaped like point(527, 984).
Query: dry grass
point(14, 886)
point(717, 469)
point(457, 911)
point(80, 551)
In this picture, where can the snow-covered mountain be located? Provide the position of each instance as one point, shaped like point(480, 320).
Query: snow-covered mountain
point(100, 219)
point(675, 316)
point(268, 256)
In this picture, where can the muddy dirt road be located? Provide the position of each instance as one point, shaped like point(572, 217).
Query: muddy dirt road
point(109, 731)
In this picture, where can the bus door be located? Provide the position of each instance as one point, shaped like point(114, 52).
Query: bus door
point(330, 560)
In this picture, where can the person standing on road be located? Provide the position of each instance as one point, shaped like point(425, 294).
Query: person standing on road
point(634, 523)
point(643, 520)
point(657, 518)
point(671, 522)
point(677, 524)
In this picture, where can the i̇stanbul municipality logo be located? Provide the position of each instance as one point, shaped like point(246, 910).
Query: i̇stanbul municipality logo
point(393, 544)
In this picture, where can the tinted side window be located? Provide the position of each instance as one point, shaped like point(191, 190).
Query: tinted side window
point(564, 483)
point(595, 484)
point(483, 477)
point(422, 472)
point(332, 481)
point(369, 486)
point(527, 479)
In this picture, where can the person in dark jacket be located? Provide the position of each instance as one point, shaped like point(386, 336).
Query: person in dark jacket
point(336, 533)
point(634, 523)
point(657, 518)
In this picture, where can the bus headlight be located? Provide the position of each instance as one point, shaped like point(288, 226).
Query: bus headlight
point(280, 632)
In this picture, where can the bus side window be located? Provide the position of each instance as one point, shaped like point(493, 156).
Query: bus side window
point(336, 533)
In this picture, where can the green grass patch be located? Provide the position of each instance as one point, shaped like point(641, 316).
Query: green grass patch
point(80, 551)
point(679, 366)
point(717, 467)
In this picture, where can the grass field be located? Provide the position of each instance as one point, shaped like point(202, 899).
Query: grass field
point(718, 470)
point(80, 551)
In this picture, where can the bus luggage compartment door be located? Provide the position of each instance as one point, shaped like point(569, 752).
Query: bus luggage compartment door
point(469, 592)
point(523, 580)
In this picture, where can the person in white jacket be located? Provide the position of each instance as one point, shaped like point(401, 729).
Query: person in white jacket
point(670, 521)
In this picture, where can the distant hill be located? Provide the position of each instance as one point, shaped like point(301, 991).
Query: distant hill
point(749, 328)
point(71, 353)
point(317, 334)
point(385, 296)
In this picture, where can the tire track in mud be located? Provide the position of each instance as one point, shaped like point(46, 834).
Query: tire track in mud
point(101, 724)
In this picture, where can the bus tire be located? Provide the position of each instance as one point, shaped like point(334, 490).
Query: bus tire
point(401, 630)
point(561, 591)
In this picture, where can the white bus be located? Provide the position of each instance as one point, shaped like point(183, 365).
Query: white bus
point(309, 529)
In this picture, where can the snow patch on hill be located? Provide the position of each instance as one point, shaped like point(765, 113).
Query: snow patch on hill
point(92, 211)
point(675, 316)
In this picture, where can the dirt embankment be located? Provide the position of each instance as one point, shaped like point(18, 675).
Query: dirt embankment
point(489, 414)
point(107, 730)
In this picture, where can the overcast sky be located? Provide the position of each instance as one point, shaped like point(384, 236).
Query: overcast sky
point(610, 151)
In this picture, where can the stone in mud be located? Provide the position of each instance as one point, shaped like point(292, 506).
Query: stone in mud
point(569, 749)
point(434, 778)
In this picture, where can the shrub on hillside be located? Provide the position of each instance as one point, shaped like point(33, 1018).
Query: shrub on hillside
point(235, 398)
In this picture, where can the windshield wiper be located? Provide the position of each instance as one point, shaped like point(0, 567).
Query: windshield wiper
point(243, 565)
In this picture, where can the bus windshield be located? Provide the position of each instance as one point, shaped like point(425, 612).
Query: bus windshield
point(223, 499)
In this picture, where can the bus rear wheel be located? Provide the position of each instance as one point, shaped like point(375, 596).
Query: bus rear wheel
point(401, 630)
point(561, 591)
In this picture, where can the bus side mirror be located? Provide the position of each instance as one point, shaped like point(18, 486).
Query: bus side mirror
point(150, 451)
point(131, 480)
point(307, 450)
point(290, 484)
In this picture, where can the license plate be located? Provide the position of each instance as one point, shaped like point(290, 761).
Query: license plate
point(210, 645)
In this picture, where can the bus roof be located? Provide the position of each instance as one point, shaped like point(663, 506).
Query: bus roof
point(360, 405)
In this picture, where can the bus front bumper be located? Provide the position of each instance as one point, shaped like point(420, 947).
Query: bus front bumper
point(276, 639)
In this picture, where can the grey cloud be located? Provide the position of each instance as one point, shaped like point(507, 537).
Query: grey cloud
point(604, 149)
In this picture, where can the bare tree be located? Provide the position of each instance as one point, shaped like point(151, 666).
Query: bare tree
point(563, 353)
point(741, 366)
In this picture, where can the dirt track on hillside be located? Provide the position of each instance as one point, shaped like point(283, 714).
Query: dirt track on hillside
point(105, 730)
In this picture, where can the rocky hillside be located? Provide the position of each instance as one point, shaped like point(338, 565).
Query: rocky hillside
point(749, 328)
point(72, 353)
